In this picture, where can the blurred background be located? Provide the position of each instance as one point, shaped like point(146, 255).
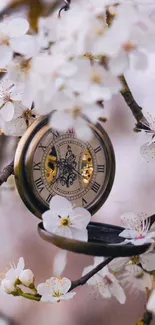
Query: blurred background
point(133, 190)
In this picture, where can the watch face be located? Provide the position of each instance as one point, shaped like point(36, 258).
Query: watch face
point(50, 163)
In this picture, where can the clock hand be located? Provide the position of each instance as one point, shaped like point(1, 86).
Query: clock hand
point(82, 175)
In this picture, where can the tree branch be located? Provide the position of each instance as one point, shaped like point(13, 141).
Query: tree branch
point(136, 110)
point(86, 277)
point(6, 172)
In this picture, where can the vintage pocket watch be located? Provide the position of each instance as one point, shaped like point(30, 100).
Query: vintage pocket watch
point(49, 163)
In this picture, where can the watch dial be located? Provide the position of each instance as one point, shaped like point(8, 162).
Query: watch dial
point(64, 165)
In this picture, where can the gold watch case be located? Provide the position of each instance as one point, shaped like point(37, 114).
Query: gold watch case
point(23, 165)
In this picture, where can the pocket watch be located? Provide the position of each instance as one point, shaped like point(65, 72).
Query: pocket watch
point(49, 163)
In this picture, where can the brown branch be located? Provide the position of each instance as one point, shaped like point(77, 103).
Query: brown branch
point(86, 277)
point(6, 172)
point(136, 110)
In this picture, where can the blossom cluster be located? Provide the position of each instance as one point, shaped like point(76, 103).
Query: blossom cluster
point(72, 65)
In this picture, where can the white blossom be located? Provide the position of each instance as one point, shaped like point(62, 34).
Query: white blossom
point(105, 282)
point(9, 95)
point(64, 220)
point(93, 82)
point(137, 230)
point(151, 303)
point(10, 277)
point(55, 289)
point(23, 117)
point(13, 39)
point(136, 279)
point(70, 113)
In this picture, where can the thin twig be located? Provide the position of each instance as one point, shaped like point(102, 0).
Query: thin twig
point(86, 277)
point(134, 107)
point(6, 172)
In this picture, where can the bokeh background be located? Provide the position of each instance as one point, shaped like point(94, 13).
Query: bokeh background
point(133, 190)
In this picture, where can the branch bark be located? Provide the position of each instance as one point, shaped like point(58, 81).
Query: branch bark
point(86, 277)
point(6, 172)
point(136, 110)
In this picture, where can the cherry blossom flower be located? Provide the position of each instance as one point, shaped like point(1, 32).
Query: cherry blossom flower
point(55, 289)
point(70, 113)
point(137, 231)
point(134, 278)
point(59, 263)
point(22, 119)
point(151, 303)
point(105, 282)
point(9, 94)
point(147, 261)
point(12, 39)
point(64, 220)
point(10, 277)
point(93, 82)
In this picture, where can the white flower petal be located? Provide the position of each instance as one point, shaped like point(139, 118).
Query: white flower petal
point(118, 292)
point(15, 128)
point(64, 285)
point(17, 27)
point(128, 233)
point(61, 121)
point(80, 217)
point(79, 234)
point(151, 303)
point(51, 221)
point(59, 263)
point(118, 263)
point(6, 56)
point(25, 45)
point(148, 261)
point(68, 296)
point(64, 231)
point(82, 130)
point(148, 152)
point(44, 288)
point(140, 61)
point(20, 265)
point(61, 206)
point(7, 111)
point(142, 241)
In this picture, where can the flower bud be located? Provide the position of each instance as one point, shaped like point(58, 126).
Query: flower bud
point(26, 277)
point(8, 286)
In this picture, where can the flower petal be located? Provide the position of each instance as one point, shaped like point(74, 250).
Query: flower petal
point(17, 27)
point(127, 233)
point(44, 288)
point(61, 121)
point(6, 56)
point(118, 263)
point(20, 265)
point(51, 221)
point(25, 45)
point(130, 220)
point(64, 285)
point(64, 231)
point(118, 292)
point(7, 111)
point(79, 234)
point(148, 261)
point(61, 206)
point(151, 303)
point(80, 217)
point(59, 263)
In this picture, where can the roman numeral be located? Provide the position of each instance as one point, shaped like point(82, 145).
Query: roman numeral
point(37, 166)
point(55, 134)
point(84, 202)
point(42, 147)
point(49, 198)
point(95, 187)
point(96, 150)
point(40, 185)
point(100, 168)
